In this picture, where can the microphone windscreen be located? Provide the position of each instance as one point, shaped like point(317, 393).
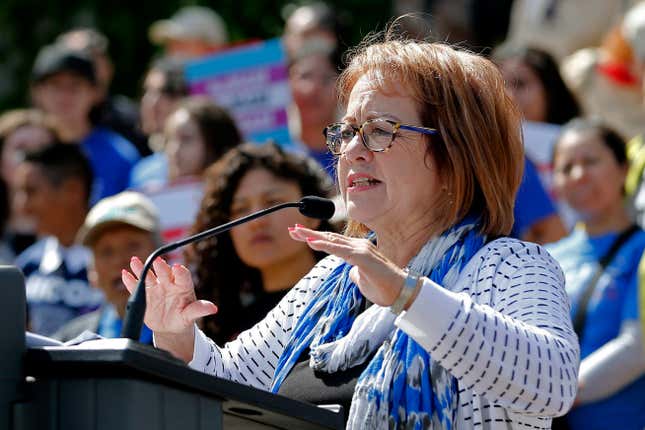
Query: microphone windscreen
point(316, 207)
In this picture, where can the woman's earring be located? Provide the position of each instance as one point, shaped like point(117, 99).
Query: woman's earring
point(444, 188)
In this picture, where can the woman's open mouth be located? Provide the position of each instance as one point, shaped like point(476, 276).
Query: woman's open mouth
point(359, 182)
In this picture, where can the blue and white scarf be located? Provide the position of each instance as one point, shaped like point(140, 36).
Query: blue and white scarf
point(402, 387)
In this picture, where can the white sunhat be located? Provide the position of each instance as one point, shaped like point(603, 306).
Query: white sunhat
point(190, 23)
point(128, 207)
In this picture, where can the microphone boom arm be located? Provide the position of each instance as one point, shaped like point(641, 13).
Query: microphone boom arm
point(137, 302)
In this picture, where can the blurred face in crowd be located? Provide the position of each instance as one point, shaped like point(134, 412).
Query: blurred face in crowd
point(264, 243)
point(67, 96)
point(80, 40)
point(313, 82)
point(587, 174)
point(23, 139)
point(111, 252)
point(156, 103)
point(302, 26)
point(36, 197)
point(526, 89)
point(187, 49)
point(185, 146)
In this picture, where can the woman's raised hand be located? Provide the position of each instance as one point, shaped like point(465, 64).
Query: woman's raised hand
point(172, 306)
point(379, 279)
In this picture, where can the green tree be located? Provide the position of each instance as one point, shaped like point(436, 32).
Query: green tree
point(28, 25)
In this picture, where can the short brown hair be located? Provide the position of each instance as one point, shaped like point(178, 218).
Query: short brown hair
point(478, 149)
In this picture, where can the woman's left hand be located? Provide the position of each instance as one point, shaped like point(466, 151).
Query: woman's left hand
point(379, 279)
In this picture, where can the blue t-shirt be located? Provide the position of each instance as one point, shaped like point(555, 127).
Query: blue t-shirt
point(532, 202)
point(150, 172)
point(112, 157)
point(614, 300)
point(56, 284)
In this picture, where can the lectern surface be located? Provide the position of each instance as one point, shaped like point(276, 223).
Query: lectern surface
point(127, 370)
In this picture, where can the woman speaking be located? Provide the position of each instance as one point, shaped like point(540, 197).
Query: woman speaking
point(423, 315)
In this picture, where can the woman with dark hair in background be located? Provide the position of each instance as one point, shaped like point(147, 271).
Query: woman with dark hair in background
point(600, 262)
point(196, 133)
point(251, 268)
point(533, 81)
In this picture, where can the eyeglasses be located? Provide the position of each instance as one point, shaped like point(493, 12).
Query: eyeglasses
point(376, 134)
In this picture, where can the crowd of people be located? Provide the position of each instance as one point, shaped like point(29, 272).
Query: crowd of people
point(486, 266)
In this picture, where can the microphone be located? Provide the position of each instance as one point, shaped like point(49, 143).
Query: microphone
point(309, 206)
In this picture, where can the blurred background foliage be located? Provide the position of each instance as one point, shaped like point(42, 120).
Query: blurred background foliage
point(27, 25)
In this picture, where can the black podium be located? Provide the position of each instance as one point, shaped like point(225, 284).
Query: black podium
point(119, 384)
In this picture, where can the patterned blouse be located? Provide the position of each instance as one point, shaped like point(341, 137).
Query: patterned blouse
point(503, 332)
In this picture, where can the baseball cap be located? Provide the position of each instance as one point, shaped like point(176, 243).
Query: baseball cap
point(190, 23)
point(634, 29)
point(85, 39)
point(57, 58)
point(128, 207)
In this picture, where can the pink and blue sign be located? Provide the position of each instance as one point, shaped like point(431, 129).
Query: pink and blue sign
point(251, 82)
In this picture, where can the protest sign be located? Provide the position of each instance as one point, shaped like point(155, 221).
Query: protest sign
point(539, 139)
point(177, 205)
point(251, 82)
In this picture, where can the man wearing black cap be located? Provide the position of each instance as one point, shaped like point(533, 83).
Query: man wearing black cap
point(64, 85)
point(114, 111)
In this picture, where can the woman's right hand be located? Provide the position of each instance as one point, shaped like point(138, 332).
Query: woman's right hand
point(172, 306)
